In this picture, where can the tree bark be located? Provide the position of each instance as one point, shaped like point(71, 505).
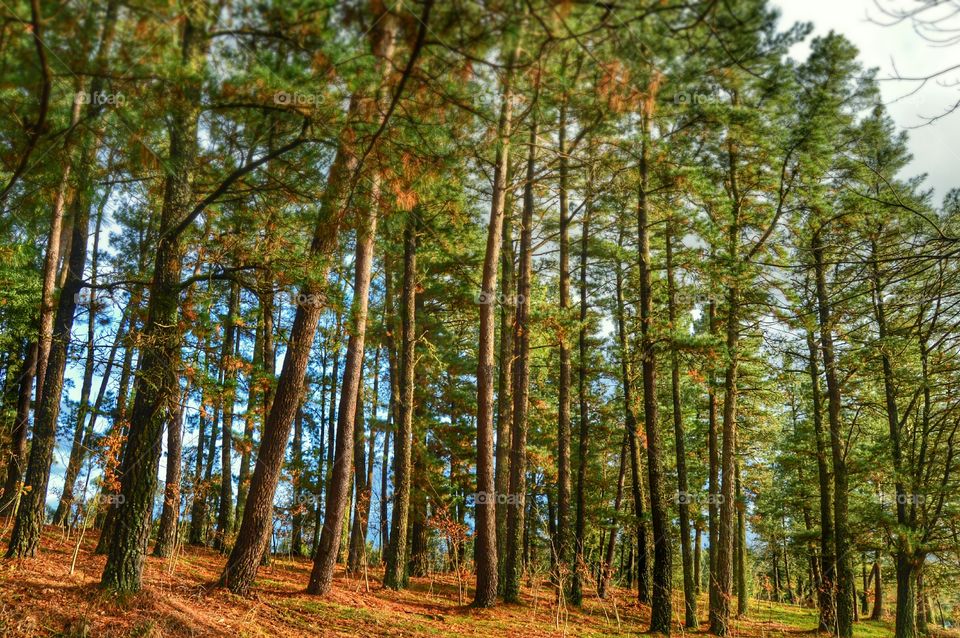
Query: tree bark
point(630, 420)
point(10, 498)
point(338, 492)
point(837, 444)
point(516, 499)
point(579, 560)
point(485, 548)
point(228, 394)
point(662, 604)
point(689, 588)
point(396, 575)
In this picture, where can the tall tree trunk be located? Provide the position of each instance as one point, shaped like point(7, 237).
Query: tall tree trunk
point(713, 474)
point(485, 548)
point(608, 567)
point(837, 445)
point(516, 505)
point(686, 555)
point(563, 406)
point(395, 575)
point(170, 516)
point(228, 393)
point(255, 398)
point(505, 383)
point(720, 614)
point(81, 436)
point(297, 473)
point(662, 604)
point(338, 492)
point(361, 489)
point(156, 384)
point(579, 560)
point(826, 594)
point(630, 420)
point(741, 556)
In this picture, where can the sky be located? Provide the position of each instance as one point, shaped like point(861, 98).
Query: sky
point(936, 146)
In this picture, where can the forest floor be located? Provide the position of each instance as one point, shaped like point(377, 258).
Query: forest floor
point(40, 597)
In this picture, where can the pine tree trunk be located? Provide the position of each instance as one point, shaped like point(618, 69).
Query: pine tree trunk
point(579, 560)
point(17, 459)
point(505, 384)
point(608, 567)
point(826, 594)
point(255, 528)
point(170, 516)
point(338, 491)
point(630, 420)
point(230, 344)
point(485, 548)
point(662, 604)
point(563, 401)
point(516, 505)
point(842, 544)
point(395, 575)
point(689, 588)
point(713, 476)
point(296, 523)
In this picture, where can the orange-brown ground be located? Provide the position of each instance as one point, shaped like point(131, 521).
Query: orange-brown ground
point(39, 597)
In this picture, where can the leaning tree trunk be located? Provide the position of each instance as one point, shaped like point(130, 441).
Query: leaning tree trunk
point(257, 523)
point(338, 491)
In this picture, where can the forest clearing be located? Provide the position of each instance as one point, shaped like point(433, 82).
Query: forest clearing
point(479, 317)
